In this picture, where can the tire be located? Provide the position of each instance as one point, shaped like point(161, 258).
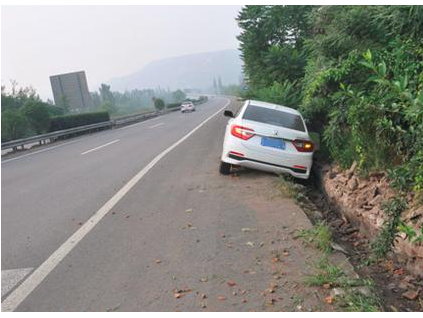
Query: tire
point(225, 168)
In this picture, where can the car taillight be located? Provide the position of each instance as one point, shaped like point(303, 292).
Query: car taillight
point(303, 145)
point(242, 132)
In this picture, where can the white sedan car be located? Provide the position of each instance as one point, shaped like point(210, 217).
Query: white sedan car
point(267, 137)
point(187, 107)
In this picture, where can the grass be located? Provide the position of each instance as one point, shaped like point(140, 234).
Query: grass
point(352, 299)
point(327, 274)
point(287, 187)
point(320, 235)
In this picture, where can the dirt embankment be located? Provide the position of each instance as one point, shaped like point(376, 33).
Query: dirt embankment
point(360, 201)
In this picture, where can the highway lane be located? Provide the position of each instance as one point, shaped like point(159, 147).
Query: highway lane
point(46, 196)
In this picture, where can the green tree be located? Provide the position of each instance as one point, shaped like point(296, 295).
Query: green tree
point(159, 103)
point(178, 96)
point(13, 125)
point(37, 114)
point(108, 107)
point(64, 104)
point(106, 94)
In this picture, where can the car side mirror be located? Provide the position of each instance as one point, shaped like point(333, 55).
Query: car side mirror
point(228, 113)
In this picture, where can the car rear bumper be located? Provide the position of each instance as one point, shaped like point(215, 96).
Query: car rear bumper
point(297, 165)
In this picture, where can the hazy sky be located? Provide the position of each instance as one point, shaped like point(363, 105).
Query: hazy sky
point(105, 41)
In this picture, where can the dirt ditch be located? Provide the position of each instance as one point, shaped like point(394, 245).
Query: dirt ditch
point(398, 288)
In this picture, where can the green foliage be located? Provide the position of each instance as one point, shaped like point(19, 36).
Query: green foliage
point(13, 125)
point(159, 103)
point(412, 235)
point(286, 93)
point(383, 242)
point(37, 114)
point(75, 120)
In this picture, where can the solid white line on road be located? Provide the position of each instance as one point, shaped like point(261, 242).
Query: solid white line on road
point(156, 125)
point(11, 277)
point(43, 150)
point(21, 292)
point(99, 147)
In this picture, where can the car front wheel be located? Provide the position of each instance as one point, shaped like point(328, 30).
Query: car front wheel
point(225, 168)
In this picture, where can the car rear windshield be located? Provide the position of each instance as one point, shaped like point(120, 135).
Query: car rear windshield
point(274, 117)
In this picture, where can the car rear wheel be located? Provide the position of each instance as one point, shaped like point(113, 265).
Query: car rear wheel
point(225, 168)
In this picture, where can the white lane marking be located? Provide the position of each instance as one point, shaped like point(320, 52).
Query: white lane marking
point(43, 150)
point(148, 121)
point(22, 291)
point(11, 277)
point(99, 147)
point(156, 125)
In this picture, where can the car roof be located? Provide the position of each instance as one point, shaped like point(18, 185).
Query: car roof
point(273, 106)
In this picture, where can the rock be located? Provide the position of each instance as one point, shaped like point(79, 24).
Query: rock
point(411, 294)
point(335, 292)
point(352, 184)
point(339, 248)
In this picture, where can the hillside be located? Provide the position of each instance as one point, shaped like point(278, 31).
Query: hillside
point(188, 71)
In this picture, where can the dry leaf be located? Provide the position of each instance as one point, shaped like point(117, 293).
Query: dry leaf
point(329, 300)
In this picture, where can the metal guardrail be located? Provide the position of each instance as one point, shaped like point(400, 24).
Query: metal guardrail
point(54, 135)
point(133, 118)
point(63, 133)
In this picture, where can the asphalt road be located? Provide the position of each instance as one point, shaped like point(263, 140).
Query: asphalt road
point(182, 226)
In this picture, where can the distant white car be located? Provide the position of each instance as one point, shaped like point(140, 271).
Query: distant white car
point(187, 107)
point(267, 137)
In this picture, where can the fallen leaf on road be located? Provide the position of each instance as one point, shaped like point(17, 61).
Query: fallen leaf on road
point(178, 293)
point(221, 297)
point(231, 283)
point(329, 300)
point(203, 304)
point(244, 300)
point(275, 259)
point(243, 292)
point(188, 210)
point(399, 271)
point(204, 279)
point(158, 261)
point(326, 286)
point(250, 244)
point(127, 216)
point(271, 301)
point(203, 296)
point(285, 253)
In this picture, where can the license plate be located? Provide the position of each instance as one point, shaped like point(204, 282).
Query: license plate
point(273, 142)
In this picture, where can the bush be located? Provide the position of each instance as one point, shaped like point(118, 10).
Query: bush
point(13, 125)
point(70, 121)
point(173, 105)
point(37, 114)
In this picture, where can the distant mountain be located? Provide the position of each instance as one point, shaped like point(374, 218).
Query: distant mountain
point(188, 71)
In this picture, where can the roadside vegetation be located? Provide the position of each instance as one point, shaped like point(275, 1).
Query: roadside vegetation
point(356, 74)
point(24, 113)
